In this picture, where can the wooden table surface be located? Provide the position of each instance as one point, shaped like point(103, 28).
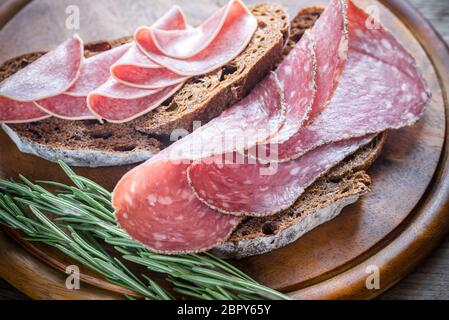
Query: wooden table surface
point(430, 280)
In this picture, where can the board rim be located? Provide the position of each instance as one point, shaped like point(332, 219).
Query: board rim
point(405, 244)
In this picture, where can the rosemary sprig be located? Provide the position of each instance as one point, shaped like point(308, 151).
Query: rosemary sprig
point(84, 212)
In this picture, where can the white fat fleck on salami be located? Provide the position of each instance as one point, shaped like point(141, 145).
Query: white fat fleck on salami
point(234, 36)
point(49, 76)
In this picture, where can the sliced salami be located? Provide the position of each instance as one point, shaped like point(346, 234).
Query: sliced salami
point(12, 111)
point(186, 43)
point(331, 52)
point(262, 189)
point(255, 119)
point(232, 39)
point(137, 70)
point(72, 105)
point(66, 107)
point(96, 70)
point(299, 67)
point(123, 109)
point(373, 95)
point(156, 206)
point(49, 76)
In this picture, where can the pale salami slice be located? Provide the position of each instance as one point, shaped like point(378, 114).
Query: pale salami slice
point(66, 107)
point(255, 119)
point(124, 109)
point(137, 70)
point(258, 189)
point(373, 95)
point(183, 44)
point(12, 111)
point(156, 206)
point(96, 70)
point(49, 76)
point(117, 90)
point(72, 105)
point(233, 38)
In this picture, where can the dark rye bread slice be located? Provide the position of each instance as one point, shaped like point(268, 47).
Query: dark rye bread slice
point(89, 143)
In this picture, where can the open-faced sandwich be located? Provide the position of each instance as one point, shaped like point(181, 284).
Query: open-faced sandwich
point(284, 117)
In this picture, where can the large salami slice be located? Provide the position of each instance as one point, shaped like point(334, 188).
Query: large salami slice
point(261, 189)
point(113, 108)
point(72, 105)
point(156, 206)
point(51, 75)
point(234, 36)
point(374, 94)
point(12, 111)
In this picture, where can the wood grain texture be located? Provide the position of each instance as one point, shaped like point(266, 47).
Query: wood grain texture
point(391, 169)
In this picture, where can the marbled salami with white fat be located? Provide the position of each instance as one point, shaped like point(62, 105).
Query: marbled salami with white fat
point(72, 105)
point(234, 36)
point(256, 188)
point(12, 111)
point(162, 212)
point(119, 104)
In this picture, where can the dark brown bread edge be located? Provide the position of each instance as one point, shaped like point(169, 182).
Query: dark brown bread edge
point(89, 143)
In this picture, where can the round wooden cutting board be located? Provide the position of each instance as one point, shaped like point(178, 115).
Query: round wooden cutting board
point(392, 228)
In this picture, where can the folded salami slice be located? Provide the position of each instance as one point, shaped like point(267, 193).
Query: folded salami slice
point(114, 104)
point(183, 44)
point(234, 36)
point(72, 105)
point(12, 111)
point(262, 189)
point(66, 107)
point(162, 212)
point(299, 67)
point(375, 93)
point(49, 76)
point(137, 70)
point(255, 119)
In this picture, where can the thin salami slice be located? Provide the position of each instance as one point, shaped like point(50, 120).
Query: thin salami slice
point(299, 67)
point(49, 76)
point(66, 107)
point(373, 95)
point(233, 38)
point(331, 52)
point(137, 70)
point(156, 206)
point(12, 111)
point(183, 44)
point(72, 105)
point(263, 189)
point(96, 70)
point(255, 119)
point(124, 109)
